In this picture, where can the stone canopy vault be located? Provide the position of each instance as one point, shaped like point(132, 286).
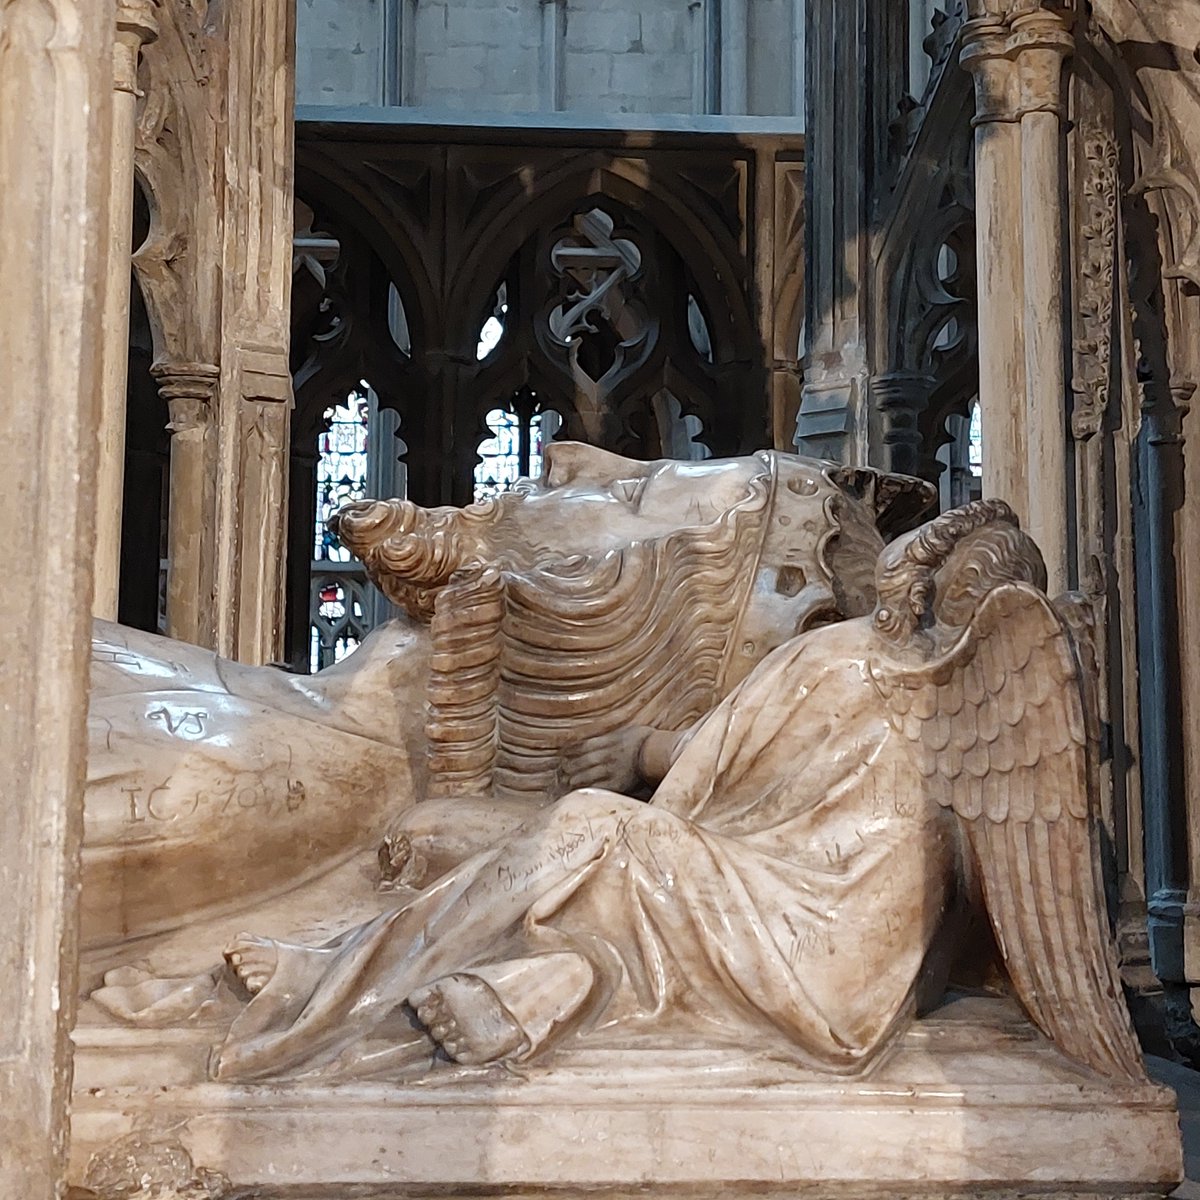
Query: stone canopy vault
point(971, 270)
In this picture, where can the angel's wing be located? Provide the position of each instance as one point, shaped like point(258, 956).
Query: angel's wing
point(1000, 734)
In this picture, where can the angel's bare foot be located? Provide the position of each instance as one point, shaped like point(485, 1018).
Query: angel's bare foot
point(254, 960)
point(465, 1017)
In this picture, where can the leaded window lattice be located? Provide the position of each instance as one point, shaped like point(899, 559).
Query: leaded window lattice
point(341, 608)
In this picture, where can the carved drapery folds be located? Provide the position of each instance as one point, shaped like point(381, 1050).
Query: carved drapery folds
point(649, 298)
point(214, 159)
point(1087, 365)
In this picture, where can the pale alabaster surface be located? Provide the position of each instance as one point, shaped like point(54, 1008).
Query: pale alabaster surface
point(735, 829)
point(213, 787)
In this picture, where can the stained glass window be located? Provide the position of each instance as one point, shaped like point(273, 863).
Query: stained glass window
point(341, 469)
point(493, 328)
point(975, 443)
point(339, 619)
point(514, 450)
point(338, 598)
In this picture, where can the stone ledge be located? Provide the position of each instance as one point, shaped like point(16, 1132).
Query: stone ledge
point(937, 1119)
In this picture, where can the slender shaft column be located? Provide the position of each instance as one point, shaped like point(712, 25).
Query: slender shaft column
point(735, 50)
point(55, 125)
point(1019, 175)
point(189, 390)
point(1041, 44)
point(999, 263)
point(855, 56)
point(135, 27)
point(550, 56)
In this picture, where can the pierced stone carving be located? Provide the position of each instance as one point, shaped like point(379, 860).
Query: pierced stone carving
point(599, 321)
point(1097, 233)
point(598, 268)
point(926, 360)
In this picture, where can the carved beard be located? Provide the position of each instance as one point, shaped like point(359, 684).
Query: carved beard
point(528, 660)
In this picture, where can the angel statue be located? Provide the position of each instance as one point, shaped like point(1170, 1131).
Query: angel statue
point(798, 878)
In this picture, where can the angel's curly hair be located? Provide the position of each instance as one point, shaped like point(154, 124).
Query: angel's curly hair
point(905, 578)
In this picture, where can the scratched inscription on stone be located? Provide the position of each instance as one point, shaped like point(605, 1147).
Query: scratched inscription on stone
point(180, 722)
point(168, 802)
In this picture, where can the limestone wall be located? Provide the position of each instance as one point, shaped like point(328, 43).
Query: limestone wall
point(512, 56)
point(339, 51)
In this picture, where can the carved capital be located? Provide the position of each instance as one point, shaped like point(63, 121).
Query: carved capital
point(1017, 63)
point(188, 389)
point(986, 55)
point(136, 27)
point(1041, 42)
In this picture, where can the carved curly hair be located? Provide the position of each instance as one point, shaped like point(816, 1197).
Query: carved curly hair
point(907, 570)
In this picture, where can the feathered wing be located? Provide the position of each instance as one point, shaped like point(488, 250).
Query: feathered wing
point(1001, 736)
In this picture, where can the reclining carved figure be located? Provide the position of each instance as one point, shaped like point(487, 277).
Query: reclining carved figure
point(550, 631)
point(794, 880)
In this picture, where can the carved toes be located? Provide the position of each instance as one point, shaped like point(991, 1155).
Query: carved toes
point(252, 960)
point(436, 1015)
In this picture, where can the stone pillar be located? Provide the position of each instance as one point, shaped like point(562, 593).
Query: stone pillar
point(190, 390)
point(899, 398)
point(55, 126)
point(855, 51)
point(135, 27)
point(216, 152)
point(1017, 63)
point(255, 393)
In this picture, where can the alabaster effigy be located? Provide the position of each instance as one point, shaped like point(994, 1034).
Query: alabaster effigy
point(634, 594)
point(725, 847)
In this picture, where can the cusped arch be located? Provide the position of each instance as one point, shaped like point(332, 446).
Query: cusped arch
point(509, 222)
point(343, 202)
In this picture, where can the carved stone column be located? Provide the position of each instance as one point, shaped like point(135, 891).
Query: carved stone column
point(55, 125)
point(1017, 59)
point(900, 398)
point(135, 27)
point(216, 152)
point(853, 70)
point(190, 390)
point(255, 396)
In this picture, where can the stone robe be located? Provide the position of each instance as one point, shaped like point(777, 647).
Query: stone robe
point(783, 887)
